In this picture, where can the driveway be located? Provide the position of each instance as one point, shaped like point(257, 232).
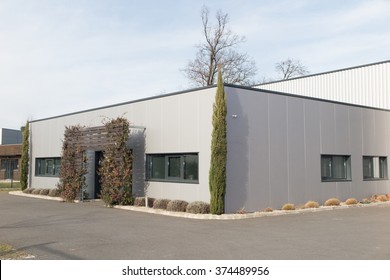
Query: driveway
point(56, 230)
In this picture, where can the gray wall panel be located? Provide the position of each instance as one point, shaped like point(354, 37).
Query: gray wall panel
point(369, 132)
point(296, 150)
point(328, 133)
point(342, 130)
point(278, 149)
point(356, 147)
point(312, 147)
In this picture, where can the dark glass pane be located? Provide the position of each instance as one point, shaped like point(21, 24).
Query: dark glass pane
point(383, 167)
point(367, 167)
point(191, 167)
point(158, 167)
point(174, 167)
point(49, 167)
point(57, 166)
point(339, 167)
point(326, 167)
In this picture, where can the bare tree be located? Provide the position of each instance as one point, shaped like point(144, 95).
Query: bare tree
point(291, 68)
point(219, 50)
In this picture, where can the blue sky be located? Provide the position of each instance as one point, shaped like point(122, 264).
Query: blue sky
point(59, 56)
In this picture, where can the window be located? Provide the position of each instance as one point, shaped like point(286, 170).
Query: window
point(172, 167)
point(48, 167)
point(374, 168)
point(335, 168)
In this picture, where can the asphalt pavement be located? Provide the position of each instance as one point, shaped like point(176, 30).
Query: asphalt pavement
point(52, 230)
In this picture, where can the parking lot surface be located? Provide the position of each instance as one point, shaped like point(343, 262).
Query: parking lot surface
point(53, 230)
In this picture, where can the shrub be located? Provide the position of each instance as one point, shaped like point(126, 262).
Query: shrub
point(54, 192)
point(373, 198)
point(140, 201)
point(161, 203)
point(365, 201)
point(28, 190)
point(44, 192)
point(351, 201)
point(268, 209)
point(382, 198)
point(332, 202)
point(36, 191)
point(198, 207)
point(241, 211)
point(73, 164)
point(177, 205)
point(288, 207)
point(115, 168)
point(312, 204)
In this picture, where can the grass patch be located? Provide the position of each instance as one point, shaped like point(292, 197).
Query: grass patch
point(7, 252)
point(7, 185)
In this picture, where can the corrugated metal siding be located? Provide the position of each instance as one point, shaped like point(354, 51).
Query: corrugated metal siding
point(367, 86)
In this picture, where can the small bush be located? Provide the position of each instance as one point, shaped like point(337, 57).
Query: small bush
point(365, 201)
point(373, 198)
point(26, 190)
point(177, 205)
point(54, 192)
point(36, 191)
point(288, 207)
point(312, 204)
point(161, 203)
point(351, 201)
point(44, 192)
point(140, 201)
point(332, 202)
point(241, 211)
point(382, 198)
point(198, 207)
point(268, 209)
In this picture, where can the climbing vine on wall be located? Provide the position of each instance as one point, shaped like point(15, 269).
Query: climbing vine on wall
point(116, 166)
point(73, 164)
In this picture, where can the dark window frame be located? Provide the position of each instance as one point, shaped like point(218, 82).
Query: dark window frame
point(176, 168)
point(47, 167)
point(371, 168)
point(330, 168)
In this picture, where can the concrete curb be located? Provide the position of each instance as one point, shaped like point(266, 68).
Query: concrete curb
point(215, 217)
point(20, 193)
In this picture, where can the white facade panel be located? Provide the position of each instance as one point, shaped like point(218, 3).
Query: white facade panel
point(366, 85)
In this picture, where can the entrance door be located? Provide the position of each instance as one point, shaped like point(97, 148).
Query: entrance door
point(98, 158)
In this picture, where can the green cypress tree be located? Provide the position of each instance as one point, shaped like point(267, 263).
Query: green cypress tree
point(217, 174)
point(25, 157)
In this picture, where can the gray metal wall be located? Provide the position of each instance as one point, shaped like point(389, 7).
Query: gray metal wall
point(275, 144)
point(366, 85)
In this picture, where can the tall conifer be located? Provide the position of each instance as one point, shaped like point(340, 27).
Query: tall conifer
point(25, 157)
point(217, 175)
